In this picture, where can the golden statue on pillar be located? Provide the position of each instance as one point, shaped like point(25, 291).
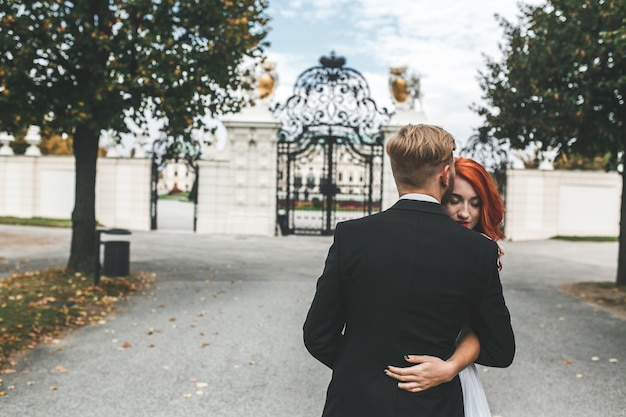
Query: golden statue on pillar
point(405, 88)
point(267, 80)
point(259, 81)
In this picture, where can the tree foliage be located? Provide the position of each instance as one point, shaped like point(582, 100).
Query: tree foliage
point(556, 84)
point(577, 161)
point(79, 67)
point(560, 84)
point(616, 39)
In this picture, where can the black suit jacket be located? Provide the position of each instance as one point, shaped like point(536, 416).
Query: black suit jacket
point(404, 281)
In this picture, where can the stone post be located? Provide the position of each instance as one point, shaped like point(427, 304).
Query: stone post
point(237, 184)
point(5, 149)
point(33, 137)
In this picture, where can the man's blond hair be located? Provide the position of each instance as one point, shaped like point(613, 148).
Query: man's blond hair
point(417, 152)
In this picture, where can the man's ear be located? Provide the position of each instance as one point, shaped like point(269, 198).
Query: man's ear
point(444, 176)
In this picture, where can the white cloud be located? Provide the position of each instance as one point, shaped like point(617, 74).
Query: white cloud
point(444, 41)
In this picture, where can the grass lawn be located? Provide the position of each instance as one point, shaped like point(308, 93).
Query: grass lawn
point(184, 196)
point(35, 221)
point(587, 238)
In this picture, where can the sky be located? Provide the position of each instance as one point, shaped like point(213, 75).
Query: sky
point(444, 41)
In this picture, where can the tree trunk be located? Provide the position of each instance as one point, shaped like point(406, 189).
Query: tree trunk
point(82, 253)
point(621, 257)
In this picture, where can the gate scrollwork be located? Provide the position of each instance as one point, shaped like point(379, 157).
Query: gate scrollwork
point(331, 126)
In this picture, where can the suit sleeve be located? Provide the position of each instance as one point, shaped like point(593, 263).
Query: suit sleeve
point(492, 323)
point(326, 318)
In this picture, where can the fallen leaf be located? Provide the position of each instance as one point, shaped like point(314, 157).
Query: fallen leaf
point(203, 345)
point(53, 388)
point(567, 362)
point(60, 369)
point(127, 345)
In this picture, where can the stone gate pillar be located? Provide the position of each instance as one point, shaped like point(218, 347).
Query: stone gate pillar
point(237, 183)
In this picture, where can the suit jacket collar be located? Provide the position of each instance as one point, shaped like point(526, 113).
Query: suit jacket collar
point(415, 205)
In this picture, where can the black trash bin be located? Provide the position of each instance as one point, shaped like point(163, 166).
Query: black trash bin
point(116, 261)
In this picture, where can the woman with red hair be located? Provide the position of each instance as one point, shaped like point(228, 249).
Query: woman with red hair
point(474, 203)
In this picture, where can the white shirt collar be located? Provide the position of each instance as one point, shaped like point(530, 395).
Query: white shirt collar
point(420, 197)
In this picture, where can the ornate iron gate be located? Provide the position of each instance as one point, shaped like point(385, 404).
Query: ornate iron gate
point(165, 150)
point(330, 150)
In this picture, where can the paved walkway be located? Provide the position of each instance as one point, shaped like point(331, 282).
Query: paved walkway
point(220, 334)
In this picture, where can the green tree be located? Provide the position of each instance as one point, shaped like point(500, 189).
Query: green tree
point(80, 67)
point(557, 85)
point(616, 38)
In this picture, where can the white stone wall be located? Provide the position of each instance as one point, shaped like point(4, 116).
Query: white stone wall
point(543, 204)
point(37, 186)
point(237, 191)
point(44, 186)
point(123, 193)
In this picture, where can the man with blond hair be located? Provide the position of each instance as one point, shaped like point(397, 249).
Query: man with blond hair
point(406, 281)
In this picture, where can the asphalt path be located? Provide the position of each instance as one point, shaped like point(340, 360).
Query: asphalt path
point(220, 333)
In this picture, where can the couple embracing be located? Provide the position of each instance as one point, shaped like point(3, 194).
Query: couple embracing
point(409, 297)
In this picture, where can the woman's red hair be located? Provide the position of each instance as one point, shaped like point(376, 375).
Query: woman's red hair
point(492, 207)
